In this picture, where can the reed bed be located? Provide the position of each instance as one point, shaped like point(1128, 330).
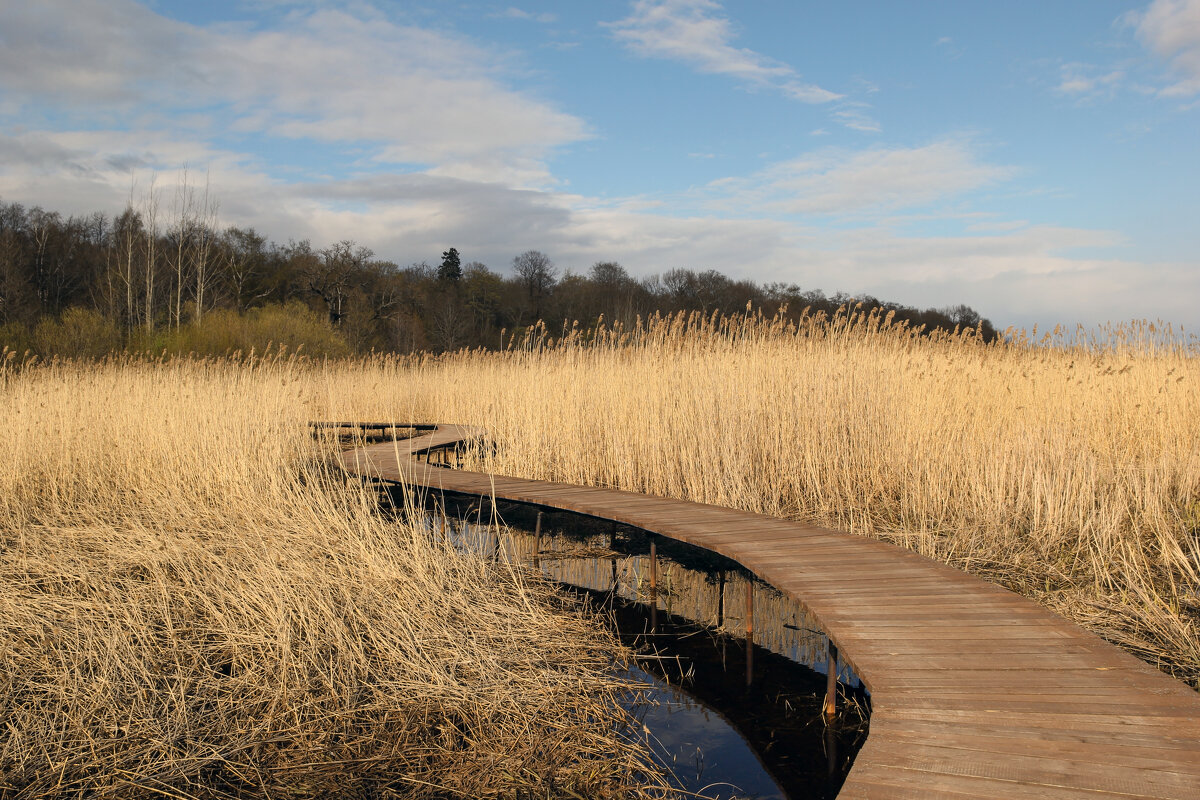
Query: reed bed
point(195, 604)
point(1064, 467)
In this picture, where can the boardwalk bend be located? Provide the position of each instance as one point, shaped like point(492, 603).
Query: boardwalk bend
point(975, 691)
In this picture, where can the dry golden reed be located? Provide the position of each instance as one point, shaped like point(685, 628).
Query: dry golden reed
point(1066, 469)
point(194, 603)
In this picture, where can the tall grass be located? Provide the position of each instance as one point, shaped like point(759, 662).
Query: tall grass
point(193, 603)
point(1065, 468)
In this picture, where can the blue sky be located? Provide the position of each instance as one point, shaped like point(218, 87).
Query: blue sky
point(1038, 161)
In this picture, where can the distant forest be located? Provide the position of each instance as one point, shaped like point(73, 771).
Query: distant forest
point(153, 280)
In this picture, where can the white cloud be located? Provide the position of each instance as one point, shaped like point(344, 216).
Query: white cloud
point(1032, 274)
point(86, 52)
point(413, 95)
point(512, 12)
point(1087, 81)
point(854, 116)
point(879, 179)
point(693, 32)
point(1006, 270)
point(1171, 29)
point(79, 172)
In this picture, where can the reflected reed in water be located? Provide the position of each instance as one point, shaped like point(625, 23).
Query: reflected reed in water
point(720, 714)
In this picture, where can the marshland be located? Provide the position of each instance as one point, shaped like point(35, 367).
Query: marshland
point(196, 602)
point(803, 260)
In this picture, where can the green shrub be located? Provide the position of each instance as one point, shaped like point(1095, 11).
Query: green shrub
point(293, 326)
point(78, 333)
point(14, 338)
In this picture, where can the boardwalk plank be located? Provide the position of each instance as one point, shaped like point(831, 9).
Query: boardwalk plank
point(976, 691)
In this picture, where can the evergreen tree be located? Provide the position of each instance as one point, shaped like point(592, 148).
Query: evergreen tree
point(451, 268)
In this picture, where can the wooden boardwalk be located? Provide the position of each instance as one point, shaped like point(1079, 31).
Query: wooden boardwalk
point(975, 691)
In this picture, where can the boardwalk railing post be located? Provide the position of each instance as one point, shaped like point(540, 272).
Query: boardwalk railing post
point(653, 584)
point(749, 631)
point(831, 681)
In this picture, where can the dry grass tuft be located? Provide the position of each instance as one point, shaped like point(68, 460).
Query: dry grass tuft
point(1068, 471)
point(193, 604)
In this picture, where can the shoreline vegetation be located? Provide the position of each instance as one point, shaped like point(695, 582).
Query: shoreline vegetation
point(170, 279)
point(196, 603)
point(1067, 471)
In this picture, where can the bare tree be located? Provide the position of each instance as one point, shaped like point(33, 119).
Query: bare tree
point(17, 295)
point(330, 275)
point(450, 324)
point(150, 253)
point(206, 233)
point(243, 258)
point(537, 274)
point(191, 229)
point(179, 229)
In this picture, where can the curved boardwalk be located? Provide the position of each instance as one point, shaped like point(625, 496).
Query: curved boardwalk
point(975, 691)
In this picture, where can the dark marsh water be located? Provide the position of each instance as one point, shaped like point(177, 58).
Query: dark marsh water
point(728, 721)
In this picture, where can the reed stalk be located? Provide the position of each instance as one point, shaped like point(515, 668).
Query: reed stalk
point(1065, 466)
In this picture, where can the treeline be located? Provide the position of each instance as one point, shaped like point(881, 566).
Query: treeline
point(166, 277)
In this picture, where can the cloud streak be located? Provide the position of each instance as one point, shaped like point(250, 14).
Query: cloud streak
point(1087, 81)
point(880, 179)
point(693, 33)
point(1171, 29)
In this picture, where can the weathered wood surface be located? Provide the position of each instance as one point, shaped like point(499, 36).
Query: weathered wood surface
point(975, 691)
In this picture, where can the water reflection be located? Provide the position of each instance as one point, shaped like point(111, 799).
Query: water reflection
point(730, 720)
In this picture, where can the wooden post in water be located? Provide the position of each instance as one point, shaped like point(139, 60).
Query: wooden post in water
point(831, 752)
point(831, 681)
point(749, 631)
point(478, 524)
point(612, 536)
point(494, 528)
point(537, 540)
point(721, 599)
point(653, 584)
